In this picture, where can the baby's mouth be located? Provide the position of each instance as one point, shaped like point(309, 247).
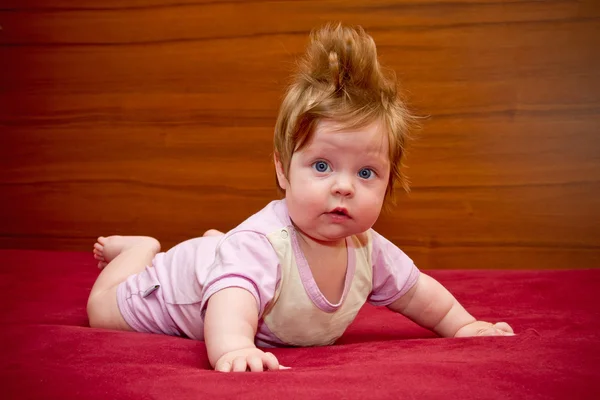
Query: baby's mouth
point(339, 211)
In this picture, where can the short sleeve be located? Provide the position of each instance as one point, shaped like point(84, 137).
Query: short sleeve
point(244, 259)
point(394, 273)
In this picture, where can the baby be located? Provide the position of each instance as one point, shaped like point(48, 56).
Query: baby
point(297, 272)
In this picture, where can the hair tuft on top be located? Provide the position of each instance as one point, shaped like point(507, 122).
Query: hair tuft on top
point(344, 59)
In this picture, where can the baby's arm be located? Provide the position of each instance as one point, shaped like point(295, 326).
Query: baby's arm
point(432, 306)
point(229, 328)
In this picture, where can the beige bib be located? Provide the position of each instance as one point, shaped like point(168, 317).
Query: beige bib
point(293, 317)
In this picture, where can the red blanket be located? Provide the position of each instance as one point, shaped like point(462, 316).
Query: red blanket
point(51, 353)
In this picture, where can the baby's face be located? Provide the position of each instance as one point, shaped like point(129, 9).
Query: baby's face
point(337, 183)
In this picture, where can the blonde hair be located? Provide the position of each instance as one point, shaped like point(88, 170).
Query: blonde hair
point(340, 78)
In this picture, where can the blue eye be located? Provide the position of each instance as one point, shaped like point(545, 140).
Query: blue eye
point(321, 166)
point(365, 173)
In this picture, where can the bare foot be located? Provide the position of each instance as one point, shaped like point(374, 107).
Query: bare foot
point(212, 232)
point(107, 248)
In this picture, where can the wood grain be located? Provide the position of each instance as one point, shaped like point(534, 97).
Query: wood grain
point(156, 117)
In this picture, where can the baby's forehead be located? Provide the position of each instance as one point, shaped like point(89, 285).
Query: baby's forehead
point(370, 138)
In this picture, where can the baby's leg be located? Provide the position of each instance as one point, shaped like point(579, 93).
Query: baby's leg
point(119, 257)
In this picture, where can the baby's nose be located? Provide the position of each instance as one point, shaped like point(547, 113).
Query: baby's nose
point(343, 186)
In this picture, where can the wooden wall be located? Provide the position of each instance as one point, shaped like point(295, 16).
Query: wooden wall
point(155, 117)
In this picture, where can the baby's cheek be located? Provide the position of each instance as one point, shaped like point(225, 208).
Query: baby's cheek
point(374, 207)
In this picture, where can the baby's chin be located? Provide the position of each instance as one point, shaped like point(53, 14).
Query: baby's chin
point(331, 237)
point(328, 233)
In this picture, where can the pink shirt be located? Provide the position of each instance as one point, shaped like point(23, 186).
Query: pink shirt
point(245, 257)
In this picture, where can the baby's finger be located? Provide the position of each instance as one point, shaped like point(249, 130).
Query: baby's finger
point(239, 364)
point(223, 367)
point(503, 326)
point(255, 364)
point(271, 362)
point(493, 331)
point(490, 331)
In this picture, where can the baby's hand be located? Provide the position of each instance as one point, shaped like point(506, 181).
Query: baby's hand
point(250, 359)
point(482, 328)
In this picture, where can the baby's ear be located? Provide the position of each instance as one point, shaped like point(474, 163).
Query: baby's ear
point(281, 179)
